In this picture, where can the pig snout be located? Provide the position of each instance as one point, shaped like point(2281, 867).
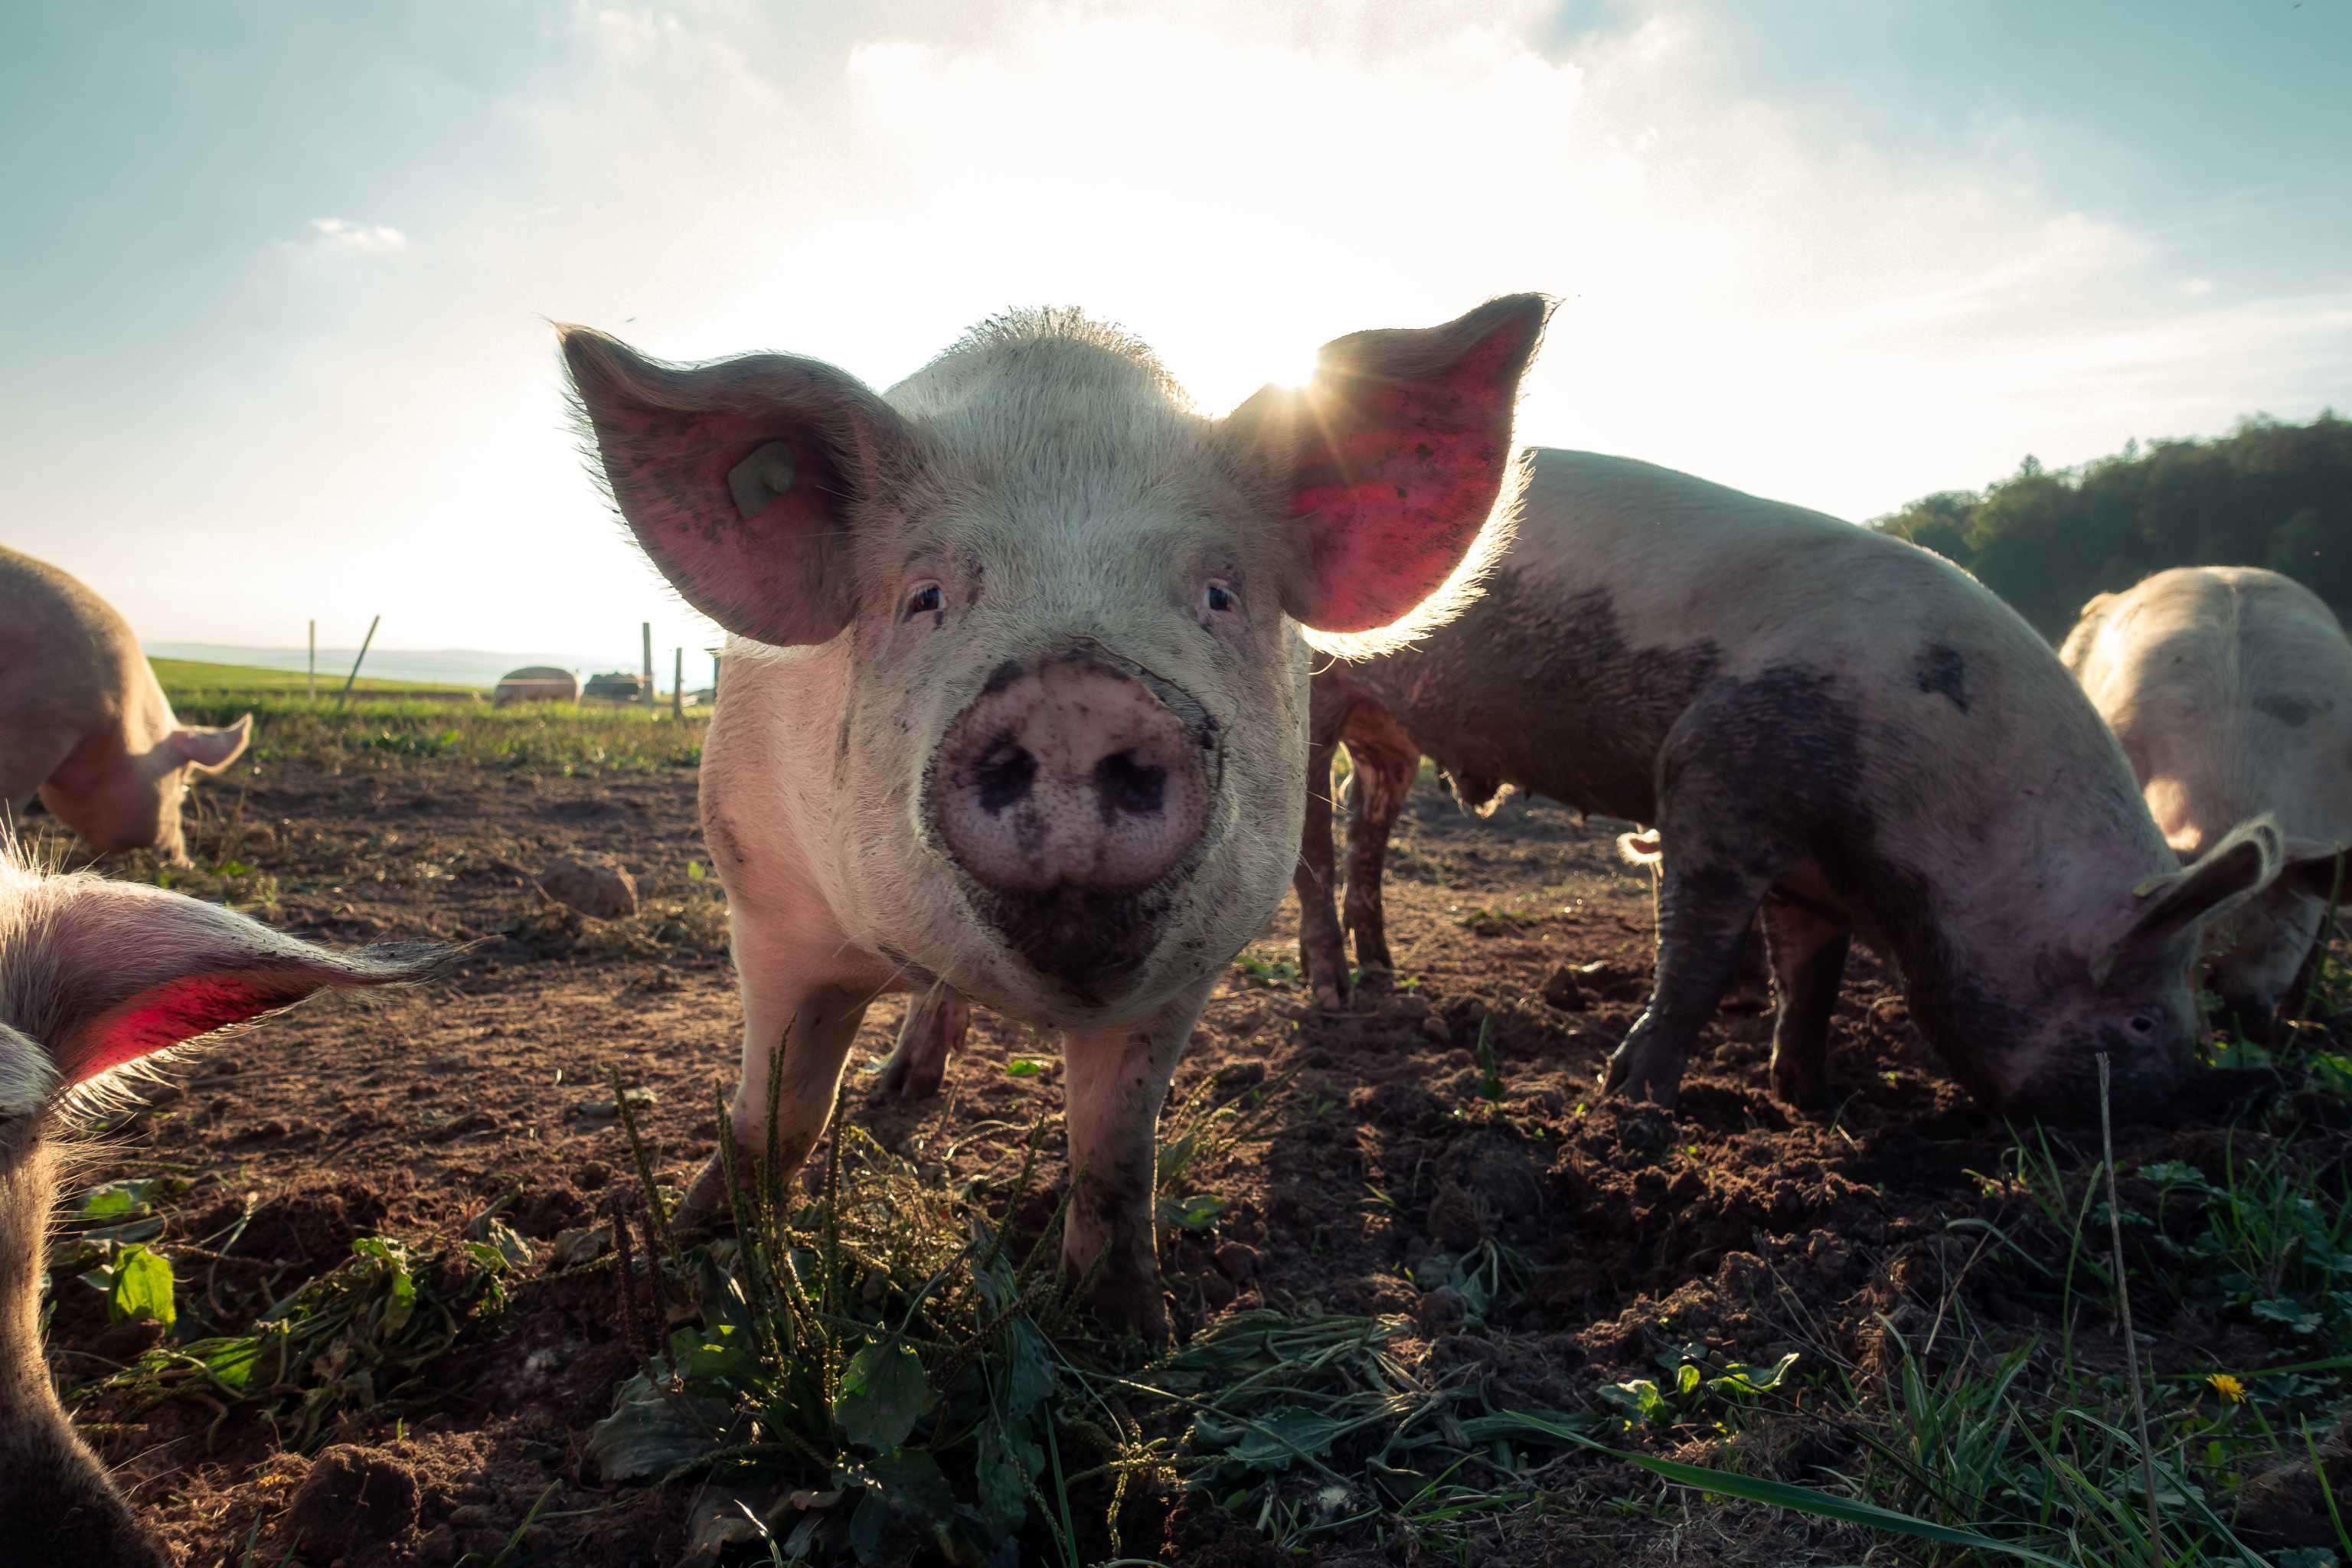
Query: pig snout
point(1073, 794)
point(1074, 774)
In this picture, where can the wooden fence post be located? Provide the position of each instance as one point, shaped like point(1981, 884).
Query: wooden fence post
point(372, 623)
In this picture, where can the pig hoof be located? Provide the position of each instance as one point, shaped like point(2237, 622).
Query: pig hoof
point(1630, 1077)
point(707, 1204)
point(905, 1079)
point(1805, 1091)
point(1132, 1304)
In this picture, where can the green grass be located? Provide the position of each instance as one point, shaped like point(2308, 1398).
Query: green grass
point(194, 678)
point(383, 733)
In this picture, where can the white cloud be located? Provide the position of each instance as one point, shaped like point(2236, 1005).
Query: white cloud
point(337, 234)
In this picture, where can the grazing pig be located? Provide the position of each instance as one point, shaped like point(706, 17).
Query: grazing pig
point(97, 975)
point(1016, 692)
point(83, 723)
point(2231, 688)
point(1833, 725)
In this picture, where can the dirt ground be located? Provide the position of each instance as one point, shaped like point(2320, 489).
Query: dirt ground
point(1732, 1221)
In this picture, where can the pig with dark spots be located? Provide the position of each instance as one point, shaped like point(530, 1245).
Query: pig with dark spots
point(95, 977)
point(83, 723)
point(1825, 724)
point(2231, 688)
point(1015, 706)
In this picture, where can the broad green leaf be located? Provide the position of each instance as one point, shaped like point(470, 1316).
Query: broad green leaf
point(1029, 1371)
point(1009, 1463)
point(116, 1200)
point(1637, 1400)
point(140, 1289)
point(1741, 1378)
point(1688, 1379)
point(653, 1431)
point(883, 1395)
point(1024, 1066)
point(1199, 1211)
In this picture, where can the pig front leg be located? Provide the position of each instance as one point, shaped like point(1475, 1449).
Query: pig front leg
point(937, 1023)
point(1704, 912)
point(1322, 952)
point(821, 1020)
point(1807, 952)
point(1118, 1079)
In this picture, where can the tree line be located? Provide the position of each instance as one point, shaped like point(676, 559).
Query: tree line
point(2268, 494)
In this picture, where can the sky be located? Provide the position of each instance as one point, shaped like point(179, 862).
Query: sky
point(280, 279)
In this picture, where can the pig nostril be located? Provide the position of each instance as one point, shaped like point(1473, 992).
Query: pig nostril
point(1004, 774)
point(1125, 785)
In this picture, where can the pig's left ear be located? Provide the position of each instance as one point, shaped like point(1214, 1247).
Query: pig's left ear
point(1394, 457)
point(212, 750)
point(108, 973)
point(2246, 860)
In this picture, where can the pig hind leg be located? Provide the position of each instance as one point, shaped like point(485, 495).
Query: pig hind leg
point(1322, 952)
point(1385, 762)
point(1702, 916)
point(937, 1022)
point(1809, 951)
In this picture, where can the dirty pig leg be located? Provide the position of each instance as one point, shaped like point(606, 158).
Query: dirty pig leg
point(937, 1022)
point(1322, 956)
point(1809, 951)
point(1703, 915)
point(823, 1021)
point(1384, 773)
point(1118, 1079)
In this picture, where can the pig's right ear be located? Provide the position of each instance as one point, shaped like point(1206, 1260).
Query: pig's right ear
point(1393, 459)
point(2246, 861)
point(741, 478)
point(108, 972)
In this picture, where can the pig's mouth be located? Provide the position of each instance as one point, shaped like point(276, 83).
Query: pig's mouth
point(1087, 942)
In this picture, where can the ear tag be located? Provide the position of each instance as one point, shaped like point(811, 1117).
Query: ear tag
point(761, 478)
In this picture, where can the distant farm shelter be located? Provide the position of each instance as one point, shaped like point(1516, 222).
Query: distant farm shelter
point(536, 683)
point(618, 687)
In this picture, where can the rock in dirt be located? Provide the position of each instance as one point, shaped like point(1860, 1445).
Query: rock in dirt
point(353, 1496)
point(1562, 991)
point(597, 886)
point(603, 1106)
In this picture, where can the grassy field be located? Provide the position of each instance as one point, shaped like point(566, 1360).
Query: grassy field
point(192, 676)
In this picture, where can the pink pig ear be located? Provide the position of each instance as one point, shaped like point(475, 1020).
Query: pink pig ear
point(1394, 456)
point(213, 750)
point(741, 478)
point(105, 973)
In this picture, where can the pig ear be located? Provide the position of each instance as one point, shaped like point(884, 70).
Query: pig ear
point(741, 478)
point(2311, 867)
point(2243, 864)
point(1394, 457)
point(107, 972)
point(213, 750)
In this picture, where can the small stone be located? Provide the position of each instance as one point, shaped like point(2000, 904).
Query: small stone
point(597, 886)
point(605, 1106)
point(1434, 1027)
point(574, 1247)
point(1562, 991)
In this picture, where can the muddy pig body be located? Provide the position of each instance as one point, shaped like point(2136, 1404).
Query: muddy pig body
point(83, 723)
point(1016, 694)
point(1838, 727)
point(96, 975)
point(2230, 690)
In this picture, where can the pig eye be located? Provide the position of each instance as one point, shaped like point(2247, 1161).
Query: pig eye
point(926, 599)
point(2141, 1025)
point(1218, 597)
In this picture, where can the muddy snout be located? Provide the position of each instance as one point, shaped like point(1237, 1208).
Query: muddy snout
point(1068, 791)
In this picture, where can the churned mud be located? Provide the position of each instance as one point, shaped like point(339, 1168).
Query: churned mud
point(1449, 1108)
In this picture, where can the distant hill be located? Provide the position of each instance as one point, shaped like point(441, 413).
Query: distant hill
point(181, 676)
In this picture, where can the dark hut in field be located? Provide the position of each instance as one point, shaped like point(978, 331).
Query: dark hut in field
point(536, 683)
point(616, 687)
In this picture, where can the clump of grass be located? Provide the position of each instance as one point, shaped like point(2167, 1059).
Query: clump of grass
point(869, 1375)
point(390, 733)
